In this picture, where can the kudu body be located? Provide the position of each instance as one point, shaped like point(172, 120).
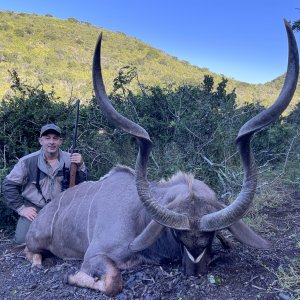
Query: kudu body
point(123, 219)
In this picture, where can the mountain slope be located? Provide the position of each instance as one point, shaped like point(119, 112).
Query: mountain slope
point(59, 53)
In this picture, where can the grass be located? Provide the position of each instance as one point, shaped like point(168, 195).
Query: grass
point(289, 278)
point(276, 210)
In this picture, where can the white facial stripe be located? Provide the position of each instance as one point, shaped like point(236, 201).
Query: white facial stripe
point(197, 260)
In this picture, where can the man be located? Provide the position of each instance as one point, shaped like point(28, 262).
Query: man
point(38, 177)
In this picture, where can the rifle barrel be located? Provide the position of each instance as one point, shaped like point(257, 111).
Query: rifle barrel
point(74, 146)
point(73, 167)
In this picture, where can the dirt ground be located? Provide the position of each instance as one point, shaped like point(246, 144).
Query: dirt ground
point(235, 274)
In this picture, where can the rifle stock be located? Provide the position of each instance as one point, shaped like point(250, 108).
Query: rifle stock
point(73, 172)
point(73, 166)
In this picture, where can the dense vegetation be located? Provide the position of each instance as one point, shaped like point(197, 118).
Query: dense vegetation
point(59, 54)
point(193, 129)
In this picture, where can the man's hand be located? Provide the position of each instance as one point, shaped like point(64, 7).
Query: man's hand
point(77, 159)
point(29, 213)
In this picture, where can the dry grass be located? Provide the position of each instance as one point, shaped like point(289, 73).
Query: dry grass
point(271, 193)
point(289, 278)
point(275, 197)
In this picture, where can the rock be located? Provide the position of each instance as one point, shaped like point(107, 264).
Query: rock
point(284, 296)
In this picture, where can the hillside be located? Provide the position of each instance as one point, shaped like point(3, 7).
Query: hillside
point(58, 53)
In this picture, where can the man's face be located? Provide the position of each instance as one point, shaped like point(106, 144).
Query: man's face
point(50, 143)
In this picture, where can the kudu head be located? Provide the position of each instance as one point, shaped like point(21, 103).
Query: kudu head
point(195, 232)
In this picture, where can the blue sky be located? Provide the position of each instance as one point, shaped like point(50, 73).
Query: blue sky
point(244, 40)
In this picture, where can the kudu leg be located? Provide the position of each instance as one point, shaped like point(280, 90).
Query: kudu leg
point(110, 283)
point(34, 258)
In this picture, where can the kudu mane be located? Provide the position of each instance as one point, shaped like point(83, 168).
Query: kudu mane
point(179, 177)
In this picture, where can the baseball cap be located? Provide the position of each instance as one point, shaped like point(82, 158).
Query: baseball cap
point(50, 127)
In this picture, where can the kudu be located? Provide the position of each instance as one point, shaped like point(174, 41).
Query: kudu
point(123, 219)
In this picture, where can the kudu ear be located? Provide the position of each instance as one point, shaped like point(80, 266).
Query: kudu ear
point(246, 235)
point(147, 237)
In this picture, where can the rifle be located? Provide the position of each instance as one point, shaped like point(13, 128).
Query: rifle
point(74, 167)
